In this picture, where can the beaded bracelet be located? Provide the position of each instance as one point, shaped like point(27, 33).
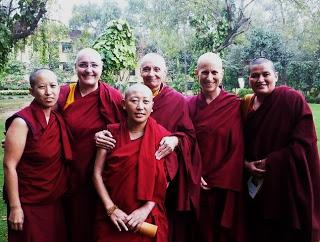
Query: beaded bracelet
point(111, 210)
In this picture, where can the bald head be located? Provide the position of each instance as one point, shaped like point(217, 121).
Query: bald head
point(261, 60)
point(155, 59)
point(88, 52)
point(211, 58)
point(43, 72)
point(139, 88)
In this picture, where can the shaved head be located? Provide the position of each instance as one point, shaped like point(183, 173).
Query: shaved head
point(139, 88)
point(210, 57)
point(88, 52)
point(41, 72)
point(261, 60)
point(154, 58)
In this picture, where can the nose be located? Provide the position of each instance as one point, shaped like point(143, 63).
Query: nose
point(260, 78)
point(140, 105)
point(48, 91)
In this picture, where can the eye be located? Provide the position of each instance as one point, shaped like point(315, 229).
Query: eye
point(254, 75)
point(214, 73)
point(146, 101)
point(146, 69)
point(157, 69)
point(266, 74)
point(53, 85)
point(205, 73)
point(94, 65)
point(83, 65)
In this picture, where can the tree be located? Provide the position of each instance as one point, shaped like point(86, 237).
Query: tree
point(19, 19)
point(92, 18)
point(117, 48)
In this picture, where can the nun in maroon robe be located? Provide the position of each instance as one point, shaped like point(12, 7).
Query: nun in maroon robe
point(41, 170)
point(87, 107)
point(132, 176)
point(216, 116)
point(281, 148)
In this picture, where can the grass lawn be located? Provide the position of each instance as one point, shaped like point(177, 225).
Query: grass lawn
point(3, 224)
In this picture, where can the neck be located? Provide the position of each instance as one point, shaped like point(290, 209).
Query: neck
point(86, 89)
point(47, 112)
point(136, 130)
point(156, 90)
point(210, 96)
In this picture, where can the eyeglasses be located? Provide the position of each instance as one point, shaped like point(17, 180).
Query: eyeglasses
point(87, 65)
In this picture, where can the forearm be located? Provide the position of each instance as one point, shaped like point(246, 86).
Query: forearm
point(11, 183)
point(102, 192)
point(148, 206)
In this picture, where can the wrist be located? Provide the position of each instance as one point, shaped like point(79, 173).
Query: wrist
point(110, 210)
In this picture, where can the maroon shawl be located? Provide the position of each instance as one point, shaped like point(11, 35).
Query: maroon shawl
point(41, 170)
point(282, 130)
point(171, 111)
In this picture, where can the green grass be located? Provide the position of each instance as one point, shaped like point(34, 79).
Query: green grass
point(5, 106)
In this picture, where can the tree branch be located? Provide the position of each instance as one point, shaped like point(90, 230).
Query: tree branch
point(21, 31)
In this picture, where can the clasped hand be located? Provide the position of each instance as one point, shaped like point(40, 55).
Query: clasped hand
point(130, 222)
point(256, 168)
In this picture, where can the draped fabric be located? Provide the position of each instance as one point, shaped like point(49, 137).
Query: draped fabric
point(84, 117)
point(132, 177)
point(220, 137)
point(42, 176)
point(287, 207)
point(171, 111)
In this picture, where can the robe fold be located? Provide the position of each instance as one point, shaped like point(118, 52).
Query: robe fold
point(42, 177)
point(287, 207)
point(132, 177)
point(170, 109)
point(220, 137)
point(84, 117)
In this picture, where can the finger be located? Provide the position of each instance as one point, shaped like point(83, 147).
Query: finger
point(116, 223)
point(203, 182)
point(20, 226)
point(123, 225)
point(107, 133)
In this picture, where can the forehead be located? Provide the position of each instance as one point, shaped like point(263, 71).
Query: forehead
point(89, 57)
point(210, 64)
point(45, 76)
point(263, 67)
point(154, 62)
point(139, 93)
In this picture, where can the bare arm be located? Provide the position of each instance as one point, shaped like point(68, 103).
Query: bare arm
point(118, 217)
point(14, 146)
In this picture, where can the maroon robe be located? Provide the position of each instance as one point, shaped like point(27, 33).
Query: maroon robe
point(220, 137)
point(132, 177)
point(84, 117)
point(171, 111)
point(42, 176)
point(287, 208)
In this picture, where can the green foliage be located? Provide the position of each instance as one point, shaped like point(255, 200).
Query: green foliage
point(18, 20)
point(12, 75)
point(118, 51)
point(244, 91)
point(209, 33)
